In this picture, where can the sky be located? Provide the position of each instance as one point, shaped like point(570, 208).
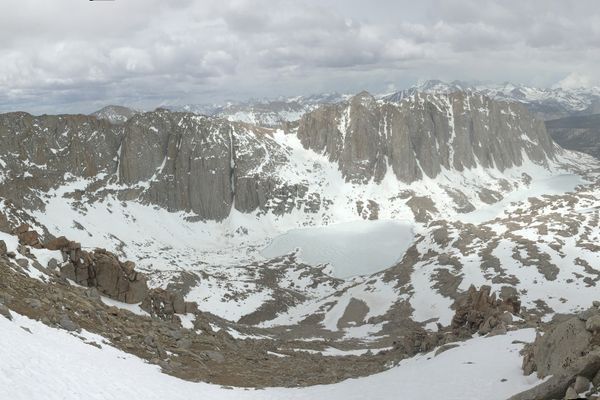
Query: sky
point(79, 55)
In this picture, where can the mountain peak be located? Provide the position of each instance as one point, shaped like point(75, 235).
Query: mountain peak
point(115, 114)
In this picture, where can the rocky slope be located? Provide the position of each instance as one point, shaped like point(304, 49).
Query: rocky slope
point(568, 356)
point(580, 133)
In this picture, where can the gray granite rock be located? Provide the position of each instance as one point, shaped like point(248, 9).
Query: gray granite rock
point(423, 134)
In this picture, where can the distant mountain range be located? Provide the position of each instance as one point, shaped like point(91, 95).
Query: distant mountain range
point(571, 106)
point(546, 104)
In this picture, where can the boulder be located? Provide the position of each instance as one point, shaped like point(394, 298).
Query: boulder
point(557, 385)
point(59, 243)
point(21, 229)
point(3, 249)
point(67, 324)
point(27, 236)
point(5, 312)
point(571, 394)
point(593, 323)
point(30, 238)
point(581, 385)
point(22, 262)
point(33, 303)
point(164, 304)
point(214, 356)
point(559, 348)
point(596, 379)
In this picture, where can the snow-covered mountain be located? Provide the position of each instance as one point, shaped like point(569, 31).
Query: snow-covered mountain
point(267, 112)
point(115, 114)
point(370, 231)
point(545, 103)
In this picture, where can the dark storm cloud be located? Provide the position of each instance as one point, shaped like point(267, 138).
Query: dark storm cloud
point(75, 55)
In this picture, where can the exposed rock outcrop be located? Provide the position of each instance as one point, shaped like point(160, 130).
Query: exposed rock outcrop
point(562, 385)
point(480, 311)
point(563, 344)
point(27, 236)
point(101, 269)
point(37, 151)
point(424, 134)
point(569, 352)
point(164, 304)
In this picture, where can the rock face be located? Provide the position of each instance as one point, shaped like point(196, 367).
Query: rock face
point(480, 311)
point(198, 163)
point(424, 134)
point(103, 270)
point(209, 166)
point(38, 152)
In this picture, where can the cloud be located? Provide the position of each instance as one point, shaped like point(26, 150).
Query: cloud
point(576, 80)
point(74, 56)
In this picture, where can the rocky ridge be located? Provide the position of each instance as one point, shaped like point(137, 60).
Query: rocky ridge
point(423, 135)
point(207, 166)
point(568, 353)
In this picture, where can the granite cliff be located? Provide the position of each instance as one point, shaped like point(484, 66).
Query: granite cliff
point(209, 166)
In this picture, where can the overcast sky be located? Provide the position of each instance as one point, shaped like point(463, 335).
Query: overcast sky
point(78, 55)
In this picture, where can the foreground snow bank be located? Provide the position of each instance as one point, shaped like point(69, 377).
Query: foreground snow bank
point(51, 364)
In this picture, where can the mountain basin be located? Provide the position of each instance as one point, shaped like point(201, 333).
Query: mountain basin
point(350, 248)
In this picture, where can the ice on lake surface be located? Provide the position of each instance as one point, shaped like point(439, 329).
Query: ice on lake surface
point(351, 248)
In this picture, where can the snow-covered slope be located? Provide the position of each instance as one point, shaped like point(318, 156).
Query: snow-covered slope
point(38, 361)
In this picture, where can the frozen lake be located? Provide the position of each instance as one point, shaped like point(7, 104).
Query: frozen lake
point(351, 248)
